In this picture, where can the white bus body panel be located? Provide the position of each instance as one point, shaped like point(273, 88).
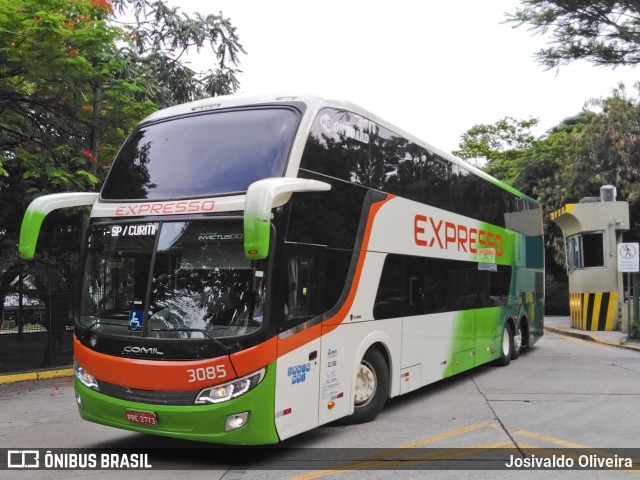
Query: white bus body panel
point(400, 225)
point(297, 390)
point(342, 351)
point(426, 342)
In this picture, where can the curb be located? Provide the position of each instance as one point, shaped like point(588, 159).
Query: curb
point(39, 375)
point(590, 338)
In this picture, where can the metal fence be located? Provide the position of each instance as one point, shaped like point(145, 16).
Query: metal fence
point(36, 329)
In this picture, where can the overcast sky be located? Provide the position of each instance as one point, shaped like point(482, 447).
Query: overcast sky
point(433, 68)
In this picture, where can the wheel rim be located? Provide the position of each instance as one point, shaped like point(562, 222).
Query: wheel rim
point(506, 342)
point(366, 382)
point(517, 340)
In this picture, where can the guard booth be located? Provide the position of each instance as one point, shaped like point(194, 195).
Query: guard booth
point(592, 230)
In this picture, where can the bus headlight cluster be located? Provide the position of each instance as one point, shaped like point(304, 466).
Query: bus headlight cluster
point(85, 377)
point(227, 391)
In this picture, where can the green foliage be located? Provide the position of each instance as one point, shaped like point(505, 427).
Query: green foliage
point(74, 81)
point(635, 330)
point(611, 146)
point(498, 147)
point(159, 46)
point(602, 32)
point(53, 53)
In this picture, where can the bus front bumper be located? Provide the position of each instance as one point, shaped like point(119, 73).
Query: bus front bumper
point(204, 423)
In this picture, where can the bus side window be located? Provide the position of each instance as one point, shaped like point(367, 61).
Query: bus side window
point(315, 279)
point(421, 285)
point(393, 299)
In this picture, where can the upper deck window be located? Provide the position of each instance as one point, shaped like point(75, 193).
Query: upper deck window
point(202, 155)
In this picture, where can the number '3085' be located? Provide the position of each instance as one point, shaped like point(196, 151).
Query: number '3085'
point(206, 373)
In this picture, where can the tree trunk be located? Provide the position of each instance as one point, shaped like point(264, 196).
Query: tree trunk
point(96, 127)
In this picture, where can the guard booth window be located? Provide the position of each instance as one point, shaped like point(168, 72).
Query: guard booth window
point(585, 251)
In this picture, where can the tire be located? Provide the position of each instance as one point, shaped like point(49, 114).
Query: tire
point(371, 388)
point(506, 346)
point(517, 343)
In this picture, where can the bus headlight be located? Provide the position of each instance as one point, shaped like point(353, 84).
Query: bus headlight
point(227, 391)
point(85, 377)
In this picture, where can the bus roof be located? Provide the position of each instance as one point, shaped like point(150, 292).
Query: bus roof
point(314, 103)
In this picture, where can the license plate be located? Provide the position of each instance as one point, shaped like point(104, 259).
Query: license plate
point(144, 418)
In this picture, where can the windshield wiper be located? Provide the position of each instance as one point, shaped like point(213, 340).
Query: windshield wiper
point(86, 331)
point(225, 348)
point(98, 322)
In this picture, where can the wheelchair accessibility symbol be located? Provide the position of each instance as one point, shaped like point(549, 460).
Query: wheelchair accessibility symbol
point(135, 320)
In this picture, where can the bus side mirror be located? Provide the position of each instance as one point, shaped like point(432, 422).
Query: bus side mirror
point(37, 211)
point(262, 197)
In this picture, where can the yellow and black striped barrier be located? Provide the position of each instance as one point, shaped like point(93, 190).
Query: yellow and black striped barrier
point(568, 208)
point(593, 311)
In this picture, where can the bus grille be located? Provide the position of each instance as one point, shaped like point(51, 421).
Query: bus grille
point(155, 397)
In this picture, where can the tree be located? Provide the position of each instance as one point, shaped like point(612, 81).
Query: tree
point(604, 32)
point(611, 145)
point(161, 36)
point(545, 168)
point(75, 80)
point(610, 151)
point(498, 147)
point(47, 67)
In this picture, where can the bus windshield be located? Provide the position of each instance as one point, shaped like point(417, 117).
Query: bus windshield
point(202, 155)
point(171, 280)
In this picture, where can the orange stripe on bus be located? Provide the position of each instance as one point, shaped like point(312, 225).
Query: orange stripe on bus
point(153, 374)
point(251, 359)
point(289, 344)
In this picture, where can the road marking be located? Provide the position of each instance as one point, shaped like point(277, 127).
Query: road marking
point(378, 461)
point(545, 438)
point(446, 435)
point(386, 458)
point(375, 460)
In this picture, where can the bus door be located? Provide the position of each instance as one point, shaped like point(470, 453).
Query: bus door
point(298, 366)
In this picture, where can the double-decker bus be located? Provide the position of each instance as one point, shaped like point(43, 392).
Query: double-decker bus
point(256, 267)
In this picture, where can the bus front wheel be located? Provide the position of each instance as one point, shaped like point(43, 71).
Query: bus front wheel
point(507, 346)
point(371, 388)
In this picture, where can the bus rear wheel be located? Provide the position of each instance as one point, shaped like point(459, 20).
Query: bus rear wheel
point(517, 342)
point(371, 388)
point(506, 347)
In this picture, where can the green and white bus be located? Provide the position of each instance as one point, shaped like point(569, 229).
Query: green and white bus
point(255, 267)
